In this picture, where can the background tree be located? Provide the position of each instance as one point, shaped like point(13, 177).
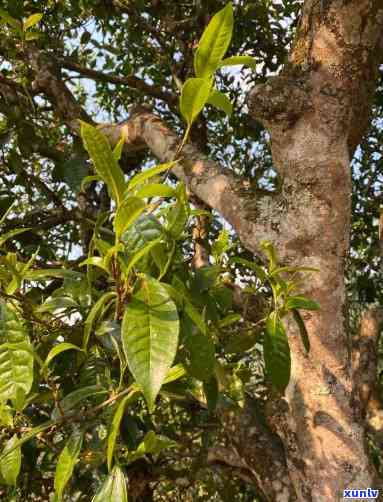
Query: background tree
point(278, 170)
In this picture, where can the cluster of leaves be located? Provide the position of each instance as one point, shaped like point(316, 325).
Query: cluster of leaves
point(141, 306)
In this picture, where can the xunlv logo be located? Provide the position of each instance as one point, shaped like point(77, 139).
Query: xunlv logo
point(361, 494)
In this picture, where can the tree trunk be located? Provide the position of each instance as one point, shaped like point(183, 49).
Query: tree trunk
point(316, 112)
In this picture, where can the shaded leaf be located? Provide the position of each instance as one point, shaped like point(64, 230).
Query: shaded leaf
point(94, 314)
point(58, 349)
point(200, 355)
point(115, 426)
point(302, 330)
point(75, 397)
point(277, 353)
point(220, 101)
point(10, 463)
point(67, 461)
point(300, 302)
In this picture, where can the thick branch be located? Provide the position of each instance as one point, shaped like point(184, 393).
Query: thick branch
point(252, 216)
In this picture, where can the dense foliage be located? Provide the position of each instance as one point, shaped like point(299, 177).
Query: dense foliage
point(119, 359)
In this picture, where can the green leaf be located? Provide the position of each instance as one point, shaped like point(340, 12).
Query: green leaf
point(66, 462)
point(220, 101)
point(238, 60)
point(94, 314)
point(154, 444)
point(140, 254)
point(10, 463)
point(214, 42)
point(150, 329)
point(16, 24)
point(114, 488)
point(32, 20)
point(175, 373)
point(200, 355)
point(140, 178)
point(16, 356)
point(127, 213)
point(49, 273)
point(194, 96)
point(105, 164)
point(32, 35)
point(96, 261)
point(12, 233)
point(155, 190)
point(241, 342)
point(75, 397)
point(228, 320)
point(210, 389)
point(117, 151)
point(55, 303)
point(300, 302)
point(147, 228)
point(277, 353)
point(115, 426)
point(302, 330)
point(220, 245)
point(58, 349)
point(270, 252)
point(73, 172)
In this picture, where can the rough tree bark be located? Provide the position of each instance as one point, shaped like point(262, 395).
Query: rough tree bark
point(316, 112)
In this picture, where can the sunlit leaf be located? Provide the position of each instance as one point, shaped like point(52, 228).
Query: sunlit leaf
point(155, 190)
point(32, 20)
point(16, 356)
point(194, 96)
point(140, 178)
point(150, 330)
point(104, 161)
point(127, 213)
point(214, 42)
